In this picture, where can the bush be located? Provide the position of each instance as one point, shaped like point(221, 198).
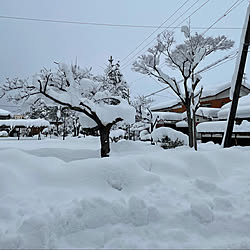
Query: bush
point(168, 143)
point(169, 138)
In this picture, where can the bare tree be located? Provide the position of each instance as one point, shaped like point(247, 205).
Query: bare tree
point(184, 58)
point(99, 99)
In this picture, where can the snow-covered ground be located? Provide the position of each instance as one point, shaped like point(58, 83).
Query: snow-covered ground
point(60, 194)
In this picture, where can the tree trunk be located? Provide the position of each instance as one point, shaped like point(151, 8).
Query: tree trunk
point(104, 137)
point(194, 132)
point(190, 127)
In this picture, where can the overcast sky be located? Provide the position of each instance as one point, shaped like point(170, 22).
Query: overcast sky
point(27, 46)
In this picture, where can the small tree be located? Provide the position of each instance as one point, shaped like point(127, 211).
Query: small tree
point(141, 105)
point(100, 99)
point(185, 58)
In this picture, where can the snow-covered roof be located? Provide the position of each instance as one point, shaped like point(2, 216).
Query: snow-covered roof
point(243, 110)
point(208, 91)
point(167, 104)
point(220, 126)
point(181, 124)
point(205, 112)
point(167, 116)
point(4, 112)
point(24, 122)
point(208, 112)
point(214, 90)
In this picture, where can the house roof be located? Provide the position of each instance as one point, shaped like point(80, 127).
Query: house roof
point(167, 104)
point(25, 123)
point(220, 127)
point(215, 90)
point(243, 110)
point(207, 92)
point(4, 112)
point(170, 116)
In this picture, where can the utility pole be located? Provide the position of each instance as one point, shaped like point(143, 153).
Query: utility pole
point(240, 72)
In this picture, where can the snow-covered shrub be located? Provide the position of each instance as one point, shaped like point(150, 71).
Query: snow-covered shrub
point(3, 133)
point(169, 138)
point(117, 134)
point(145, 135)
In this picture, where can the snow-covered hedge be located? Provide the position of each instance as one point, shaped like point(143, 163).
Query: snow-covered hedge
point(169, 138)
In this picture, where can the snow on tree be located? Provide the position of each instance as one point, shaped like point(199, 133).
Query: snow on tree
point(141, 105)
point(184, 58)
point(100, 99)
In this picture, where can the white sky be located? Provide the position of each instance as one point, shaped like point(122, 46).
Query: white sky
point(27, 46)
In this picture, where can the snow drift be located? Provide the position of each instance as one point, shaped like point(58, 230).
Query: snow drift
point(140, 197)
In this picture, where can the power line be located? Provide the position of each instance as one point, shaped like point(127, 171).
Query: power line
point(112, 25)
point(235, 5)
point(155, 30)
point(146, 46)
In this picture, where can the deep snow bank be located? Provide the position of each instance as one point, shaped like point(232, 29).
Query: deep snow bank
point(141, 197)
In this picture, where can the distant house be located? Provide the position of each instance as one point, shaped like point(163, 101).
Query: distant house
point(214, 131)
point(4, 114)
point(243, 110)
point(212, 98)
point(27, 127)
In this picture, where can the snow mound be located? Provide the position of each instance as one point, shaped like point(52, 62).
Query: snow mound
point(140, 197)
point(160, 133)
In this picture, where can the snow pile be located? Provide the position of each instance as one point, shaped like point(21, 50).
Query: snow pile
point(3, 133)
point(140, 197)
point(145, 135)
point(220, 127)
point(163, 132)
point(24, 123)
point(243, 109)
point(117, 133)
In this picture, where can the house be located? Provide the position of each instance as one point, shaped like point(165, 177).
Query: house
point(212, 98)
point(4, 114)
point(242, 113)
point(27, 127)
point(214, 131)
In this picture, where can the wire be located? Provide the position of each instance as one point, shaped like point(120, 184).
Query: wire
point(146, 46)
point(112, 25)
point(235, 5)
point(155, 30)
